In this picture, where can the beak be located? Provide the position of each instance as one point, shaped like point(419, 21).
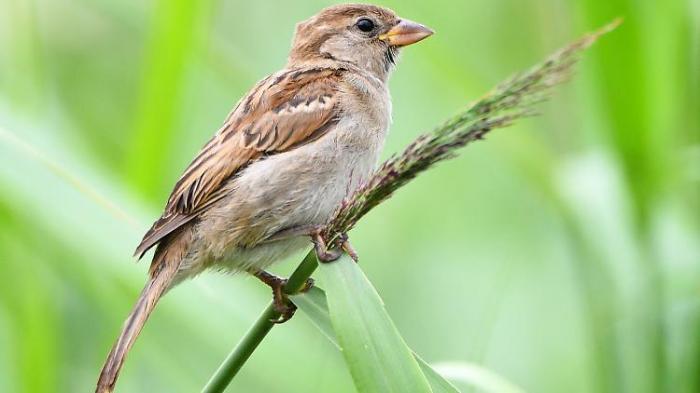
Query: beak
point(406, 33)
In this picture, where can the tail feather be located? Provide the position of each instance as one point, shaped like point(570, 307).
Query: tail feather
point(150, 295)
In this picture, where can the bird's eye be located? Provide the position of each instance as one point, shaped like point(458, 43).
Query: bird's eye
point(365, 25)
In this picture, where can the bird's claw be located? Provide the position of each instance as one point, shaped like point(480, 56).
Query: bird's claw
point(281, 303)
point(280, 300)
point(340, 243)
point(350, 250)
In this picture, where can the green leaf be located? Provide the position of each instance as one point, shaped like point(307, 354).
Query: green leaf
point(374, 351)
point(314, 304)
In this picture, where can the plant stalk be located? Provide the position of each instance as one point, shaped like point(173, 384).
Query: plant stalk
point(262, 326)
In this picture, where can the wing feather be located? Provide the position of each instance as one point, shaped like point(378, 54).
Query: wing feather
point(283, 111)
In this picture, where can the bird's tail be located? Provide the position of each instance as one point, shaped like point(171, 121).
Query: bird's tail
point(160, 280)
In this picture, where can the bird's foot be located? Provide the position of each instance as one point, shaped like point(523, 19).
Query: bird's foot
point(340, 243)
point(280, 300)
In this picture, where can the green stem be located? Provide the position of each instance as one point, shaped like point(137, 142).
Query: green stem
point(254, 336)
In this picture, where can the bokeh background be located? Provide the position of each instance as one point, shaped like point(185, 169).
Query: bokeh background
point(563, 253)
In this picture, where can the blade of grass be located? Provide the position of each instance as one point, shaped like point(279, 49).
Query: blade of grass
point(65, 175)
point(314, 304)
point(174, 39)
point(374, 351)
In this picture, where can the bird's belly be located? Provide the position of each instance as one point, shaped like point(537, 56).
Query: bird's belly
point(303, 186)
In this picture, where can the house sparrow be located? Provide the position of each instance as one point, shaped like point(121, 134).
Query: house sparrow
point(298, 143)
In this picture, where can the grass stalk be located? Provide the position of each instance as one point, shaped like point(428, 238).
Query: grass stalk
point(262, 326)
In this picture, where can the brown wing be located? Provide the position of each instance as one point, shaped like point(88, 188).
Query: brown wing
point(282, 112)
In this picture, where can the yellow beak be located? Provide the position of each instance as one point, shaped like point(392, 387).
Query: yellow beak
point(406, 33)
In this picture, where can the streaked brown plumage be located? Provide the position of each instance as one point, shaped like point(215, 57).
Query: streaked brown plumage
point(288, 153)
point(282, 111)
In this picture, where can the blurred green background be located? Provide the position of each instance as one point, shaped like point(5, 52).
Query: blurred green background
point(562, 254)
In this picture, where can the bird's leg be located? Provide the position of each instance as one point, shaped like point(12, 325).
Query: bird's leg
point(279, 299)
point(340, 243)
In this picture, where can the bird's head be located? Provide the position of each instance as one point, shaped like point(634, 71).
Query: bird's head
point(368, 36)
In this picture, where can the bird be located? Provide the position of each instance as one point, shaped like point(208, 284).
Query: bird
point(298, 143)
